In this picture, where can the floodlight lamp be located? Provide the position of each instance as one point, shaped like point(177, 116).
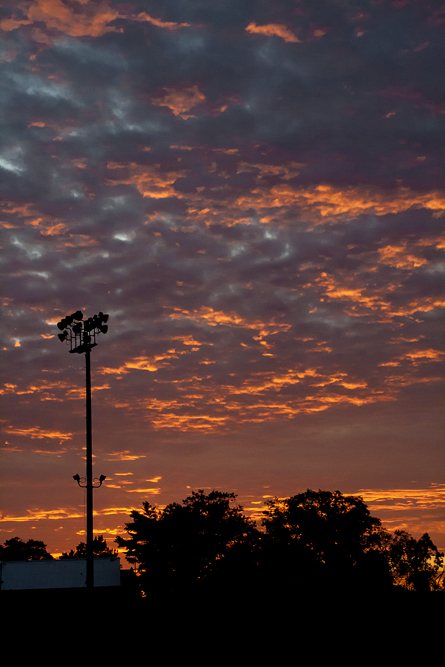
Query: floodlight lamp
point(77, 328)
point(61, 325)
point(77, 478)
point(103, 328)
point(62, 336)
point(78, 315)
point(102, 478)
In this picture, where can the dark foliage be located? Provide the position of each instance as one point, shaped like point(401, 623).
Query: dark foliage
point(323, 540)
point(317, 541)
point(202, 542)
point(100, 550)
point(415, 565)
point(17, 549)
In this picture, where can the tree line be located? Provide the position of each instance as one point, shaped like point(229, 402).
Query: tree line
point(314, 541)
point(17, 549)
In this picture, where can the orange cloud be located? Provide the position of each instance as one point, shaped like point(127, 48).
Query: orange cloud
point(359, 300)
point(424, 355)
point(206, 407)
point(39, 515)
point(92, 20)
point(187, 422)
point(273, 29)
point(317, 204)
point(400, 257)
point(373, 397)
point(219, 317)
point(424, 304)
point(110, 511)
point(326, 203)
point(406, 499)
point(79, 240)
point(8, 388)
point(36, 432)
point(148, 179)
point(439, 242)
point(143, 363)
point(48, 389)
point(62, 513)
point(271, 381)
point(169, 25)
point(180, 100)
point(125, 456)
point(187, 340)
point(47, 225)
point(152, 492)
point(344, 288)
point(285, 171)
point(47, 228)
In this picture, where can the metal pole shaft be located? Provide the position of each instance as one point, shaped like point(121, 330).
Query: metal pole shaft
point(89, 480)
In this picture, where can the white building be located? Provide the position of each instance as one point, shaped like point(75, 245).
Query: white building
point(22, 575)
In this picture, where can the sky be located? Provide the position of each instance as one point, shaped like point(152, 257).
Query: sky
point(253, 190)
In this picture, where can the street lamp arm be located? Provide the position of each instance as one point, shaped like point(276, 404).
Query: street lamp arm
point(79, 480)
point(100, 479)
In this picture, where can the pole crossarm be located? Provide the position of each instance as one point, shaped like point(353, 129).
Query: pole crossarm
point(96, 485)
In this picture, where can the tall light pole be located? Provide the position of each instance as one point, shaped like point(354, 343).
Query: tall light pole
point(81, 336)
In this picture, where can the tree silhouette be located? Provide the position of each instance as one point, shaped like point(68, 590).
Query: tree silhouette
point(202, 542)
point(313, 542)
point(100, 550)
point(17, 549)
point(416, 565)
point(324, 540)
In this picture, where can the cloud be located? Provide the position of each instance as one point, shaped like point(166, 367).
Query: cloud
point(179, 101)
point(38, 433)
point(273, 29)
point(92, 20)
point(254, 192)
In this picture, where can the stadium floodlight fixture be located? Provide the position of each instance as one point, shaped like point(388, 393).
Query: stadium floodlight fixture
point(81, 334)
